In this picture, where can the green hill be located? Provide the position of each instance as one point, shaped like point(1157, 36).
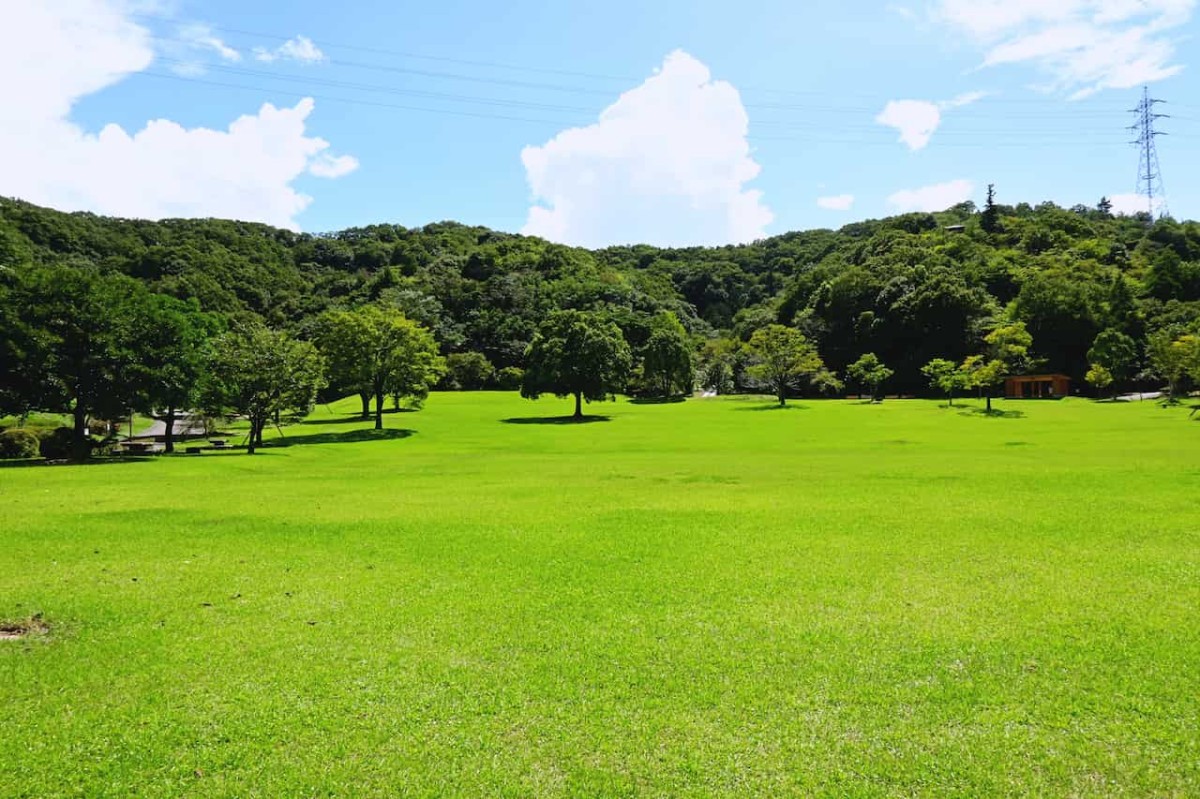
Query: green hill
point(909, 288)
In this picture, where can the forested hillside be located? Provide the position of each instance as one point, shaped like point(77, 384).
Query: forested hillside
point(908, 288)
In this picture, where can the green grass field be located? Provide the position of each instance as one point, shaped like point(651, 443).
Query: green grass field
point(706, 598)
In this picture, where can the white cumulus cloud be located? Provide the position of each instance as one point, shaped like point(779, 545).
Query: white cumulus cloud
point(1084, 46)
point(837, 202)
point(245, 170)
point(937, 197)
point(300, 48)
point(1131, 204)
point(918, 120)
point(667, 164)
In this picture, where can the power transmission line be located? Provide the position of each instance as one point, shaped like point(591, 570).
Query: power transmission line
point(575, 89)
point(1149, 172)
point(985, 140)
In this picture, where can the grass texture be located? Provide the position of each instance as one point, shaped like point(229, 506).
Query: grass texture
point(710, 598)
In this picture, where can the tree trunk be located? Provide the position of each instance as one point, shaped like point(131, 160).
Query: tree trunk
point(261, 426)
point(253, 438)
point(782, 396)
point(366, 404)
point(578, 406)
point(950, 399)
point(379, 409)
point(989, 401)
point(80, 448)
point(169, 439)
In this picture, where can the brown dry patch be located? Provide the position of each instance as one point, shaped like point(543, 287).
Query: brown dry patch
point(26, 628)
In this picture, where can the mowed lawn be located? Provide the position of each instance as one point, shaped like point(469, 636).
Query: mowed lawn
point(695, 599)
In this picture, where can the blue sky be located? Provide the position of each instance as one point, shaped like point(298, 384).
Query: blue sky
point(590, 123)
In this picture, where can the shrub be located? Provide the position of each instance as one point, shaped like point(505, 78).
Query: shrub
point(18, 443)
point(99, 427)
point(56, 443)
point(509, 378)
point(467, 371)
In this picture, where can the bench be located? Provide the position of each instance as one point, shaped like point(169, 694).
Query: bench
point(138, 446)
point(218, 443)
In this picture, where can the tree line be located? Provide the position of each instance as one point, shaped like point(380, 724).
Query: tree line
point(103, 315)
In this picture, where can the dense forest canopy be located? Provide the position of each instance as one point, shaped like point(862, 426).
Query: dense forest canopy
point(909, 288)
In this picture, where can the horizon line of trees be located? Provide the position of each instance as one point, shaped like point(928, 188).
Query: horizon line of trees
point(104, 316)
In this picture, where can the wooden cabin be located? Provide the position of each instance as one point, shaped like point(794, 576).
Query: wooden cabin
point(1037, 386)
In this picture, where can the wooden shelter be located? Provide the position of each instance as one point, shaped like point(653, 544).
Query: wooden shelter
point(1037, 386)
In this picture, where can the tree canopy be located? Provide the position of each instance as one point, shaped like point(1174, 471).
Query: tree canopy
point(577, 353)
point(377, 351)
point(782, 360)
point(260, 374)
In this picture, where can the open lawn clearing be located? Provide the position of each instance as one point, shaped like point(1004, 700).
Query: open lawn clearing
point(704, 598)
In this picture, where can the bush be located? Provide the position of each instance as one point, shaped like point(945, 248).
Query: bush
point(509, 378)
point(99, 427)
point(56, 443)
point(467, 371)
point(18, 443)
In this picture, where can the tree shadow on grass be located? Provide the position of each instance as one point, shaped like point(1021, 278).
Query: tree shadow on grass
point(995, 413)
point(348, 437)
point(774, 406)
point(586, 419)
point(656, 400)
point(351, 419)
point(99, 460)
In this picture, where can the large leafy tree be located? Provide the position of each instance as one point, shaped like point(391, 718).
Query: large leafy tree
point(668, 366)
point(1006, 347)
point(78, 337)
point(945, 376)
point(377, 350)
point(579, 354)
point(869, 372)
point(1174, 357)
point(1116, 352)
point(173, 357)
point(18, 367)
point(345, 343)
point(261, 373)
point(782, 360)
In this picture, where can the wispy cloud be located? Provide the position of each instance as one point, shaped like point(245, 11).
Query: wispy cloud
point(937, 197)
point(1130, 204)
point(300, 48)
point(200, 37)
point(837, 202)
point(1084, 46)
point(192, 47)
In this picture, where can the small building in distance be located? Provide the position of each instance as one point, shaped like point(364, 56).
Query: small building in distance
point(1037, 386)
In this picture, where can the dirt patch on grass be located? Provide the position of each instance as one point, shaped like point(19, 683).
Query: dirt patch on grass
point(20, 630)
